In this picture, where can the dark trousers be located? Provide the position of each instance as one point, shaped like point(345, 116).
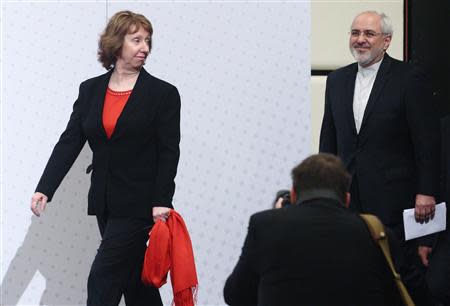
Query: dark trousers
point(355, 199)
point(438, 274)
point(404, 253)
point(117, 267)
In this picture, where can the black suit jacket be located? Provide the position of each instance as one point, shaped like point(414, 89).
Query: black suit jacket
point(445, 127)
point(135, 169)
point(438, 272)
point(314, 253)
point(396, 153)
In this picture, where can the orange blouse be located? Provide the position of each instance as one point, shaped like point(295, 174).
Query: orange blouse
point(114, 103)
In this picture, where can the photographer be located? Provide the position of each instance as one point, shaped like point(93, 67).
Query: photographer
point(315, 252)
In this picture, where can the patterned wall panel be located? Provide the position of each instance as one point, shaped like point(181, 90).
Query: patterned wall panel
point(243, 73)
point(48, 49)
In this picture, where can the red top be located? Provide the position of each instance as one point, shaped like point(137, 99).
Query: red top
point(114, 103)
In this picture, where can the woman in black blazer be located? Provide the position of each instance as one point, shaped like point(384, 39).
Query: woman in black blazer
point(135, 157)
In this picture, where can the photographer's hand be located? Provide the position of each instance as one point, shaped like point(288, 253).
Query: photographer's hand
point(279, 203)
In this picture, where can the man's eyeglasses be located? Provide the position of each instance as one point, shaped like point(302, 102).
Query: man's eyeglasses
point(368, 34)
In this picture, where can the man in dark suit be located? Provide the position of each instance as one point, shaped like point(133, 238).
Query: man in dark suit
point(316, 252)
point(378, 119)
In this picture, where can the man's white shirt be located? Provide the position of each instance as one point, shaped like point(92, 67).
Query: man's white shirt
point(363, 86)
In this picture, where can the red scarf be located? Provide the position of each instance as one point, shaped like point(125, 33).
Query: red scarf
point(170, 248)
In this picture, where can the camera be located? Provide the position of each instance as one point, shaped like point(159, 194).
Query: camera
point(285, 196)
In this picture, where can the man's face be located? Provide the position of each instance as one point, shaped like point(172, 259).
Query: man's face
point(367, 43)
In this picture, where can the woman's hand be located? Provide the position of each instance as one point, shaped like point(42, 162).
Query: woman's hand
point(38, 203)
point(160, 213)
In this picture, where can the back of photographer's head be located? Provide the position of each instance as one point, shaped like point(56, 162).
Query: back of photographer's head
point(322, 171)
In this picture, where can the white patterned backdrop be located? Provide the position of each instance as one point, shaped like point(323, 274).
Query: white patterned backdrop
point(243, 72)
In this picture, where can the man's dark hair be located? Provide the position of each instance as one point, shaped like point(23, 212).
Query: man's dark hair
point(321, 171)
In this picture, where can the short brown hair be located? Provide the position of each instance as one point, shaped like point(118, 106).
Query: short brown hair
point(322, 171)
point(111, 40)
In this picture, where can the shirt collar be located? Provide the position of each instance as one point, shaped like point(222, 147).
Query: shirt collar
point(317, 194)
point(366, 71)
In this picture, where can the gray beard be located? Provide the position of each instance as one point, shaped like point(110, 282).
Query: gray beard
point(362, 59)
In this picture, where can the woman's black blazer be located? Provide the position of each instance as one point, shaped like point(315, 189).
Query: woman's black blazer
point(134, 170)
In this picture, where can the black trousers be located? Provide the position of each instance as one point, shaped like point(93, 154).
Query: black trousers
point(117, 267)
point(438, 274)
point(404, 253)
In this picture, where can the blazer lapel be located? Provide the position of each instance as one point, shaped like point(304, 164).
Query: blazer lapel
point(380, 81)
point(134, 99)
point(99, 101)
point(348, 97)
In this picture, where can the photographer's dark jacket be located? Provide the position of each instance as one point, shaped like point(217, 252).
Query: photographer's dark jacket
point(316, 252)
point(135, 169)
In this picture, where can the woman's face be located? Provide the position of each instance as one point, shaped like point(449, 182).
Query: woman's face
point(135, 50)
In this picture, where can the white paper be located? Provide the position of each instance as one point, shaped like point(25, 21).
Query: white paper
point(415, 229)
